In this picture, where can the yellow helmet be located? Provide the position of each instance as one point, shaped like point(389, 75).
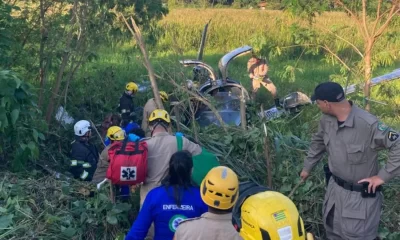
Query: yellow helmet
point(131, 86)
point(220, 188)
point(164, 96)
point(158, 115)
point(115, 133)
point(271, 215)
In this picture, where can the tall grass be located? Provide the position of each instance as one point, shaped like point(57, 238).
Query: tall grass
point(232, 28)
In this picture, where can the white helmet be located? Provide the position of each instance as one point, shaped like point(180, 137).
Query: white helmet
point(82, 127)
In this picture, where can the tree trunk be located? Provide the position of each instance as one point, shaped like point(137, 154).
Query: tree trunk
point(66, 55)
point(367, 74)
point(43, 39)
point(54, 94)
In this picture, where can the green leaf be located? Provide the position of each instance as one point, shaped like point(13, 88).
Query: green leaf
point(23, 146)
point(65, 190)
point(31, 145)
point(286, 188)
point(69, 232)
point(6, 221)
point(41, 136)
point(3, 210)
point(116, 211)
point(3, 118)
point(14, 116)
point(123, 206)
point(35, 135)
point(103, 197)
point(112, 219)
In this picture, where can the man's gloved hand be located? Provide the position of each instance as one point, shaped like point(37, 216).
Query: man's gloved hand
point(133, 137)
point(107, 141)
point(179, 134)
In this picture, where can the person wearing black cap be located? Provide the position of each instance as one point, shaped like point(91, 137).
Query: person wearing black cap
point(352, 138)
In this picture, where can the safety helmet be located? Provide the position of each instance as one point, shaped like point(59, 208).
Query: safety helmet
point(220, 188)
point(164, 96)
point(115, 133)
point(270, 215)
point(159, 115)
point(131, 86)
point(82, 127)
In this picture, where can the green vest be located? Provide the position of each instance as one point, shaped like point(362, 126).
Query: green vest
point(202, 163)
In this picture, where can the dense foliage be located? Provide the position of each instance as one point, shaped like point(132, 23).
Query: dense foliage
point(78, 54)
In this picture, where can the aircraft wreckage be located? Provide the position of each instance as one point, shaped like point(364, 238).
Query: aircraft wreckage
point(226, 93)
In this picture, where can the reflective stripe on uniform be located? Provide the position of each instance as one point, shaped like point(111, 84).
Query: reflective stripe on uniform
point(86, 165)
point(84, 175)
point(74, 163)
point(125, 111)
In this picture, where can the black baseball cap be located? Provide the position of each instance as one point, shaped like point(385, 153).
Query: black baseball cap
point(328, 91)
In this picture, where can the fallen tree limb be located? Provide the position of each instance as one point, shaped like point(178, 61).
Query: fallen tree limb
point(267, 158)
point(212, 108)
point(137, 35)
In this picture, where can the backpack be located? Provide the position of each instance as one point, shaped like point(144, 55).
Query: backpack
point(128, 162)
point(202, 163)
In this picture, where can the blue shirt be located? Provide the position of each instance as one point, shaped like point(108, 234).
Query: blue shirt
point(160, 207)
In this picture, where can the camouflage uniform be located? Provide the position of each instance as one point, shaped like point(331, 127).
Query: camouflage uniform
point(258, 69)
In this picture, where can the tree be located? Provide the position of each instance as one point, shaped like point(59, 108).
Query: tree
point(371, 18)
point(372, 21)
point(83, 33)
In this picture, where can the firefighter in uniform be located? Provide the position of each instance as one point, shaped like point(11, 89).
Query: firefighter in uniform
point(84, 155)
point(258, 69)
point(126, 107)
point(352, 138)
point(220, 191)
point(161, 146)
point(148, 108)
point(114, 133)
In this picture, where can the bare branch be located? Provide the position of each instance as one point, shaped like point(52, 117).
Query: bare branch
point(391, 14)
point(325, 47)
point(336, 56)
point(212, 108)
point(346, 41)
point(364, 16)
point(378, 16)
point(138, 37)
point(353, 15)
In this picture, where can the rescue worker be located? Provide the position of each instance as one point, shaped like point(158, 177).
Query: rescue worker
point(352, 138)
point(176, 199)
point(258, 69)
point(161, 145)
point(148, 108)
point(126, 107)
point(219, 190)
point(263, 214)
point(114, 133)
point(84, 155)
